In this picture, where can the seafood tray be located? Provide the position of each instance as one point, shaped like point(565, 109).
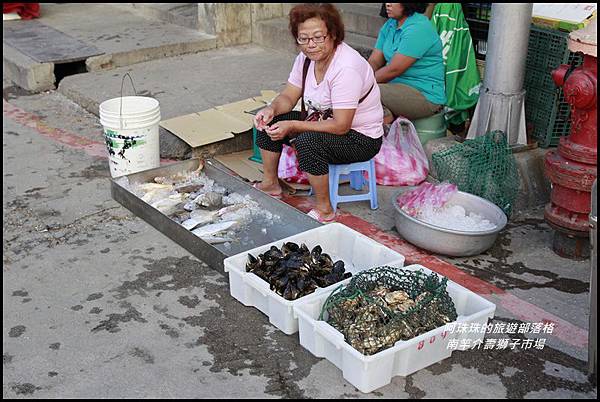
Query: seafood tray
point(288, 220)
point(368, 373)
point(357, 251)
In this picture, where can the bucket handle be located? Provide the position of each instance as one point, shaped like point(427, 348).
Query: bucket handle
point(121, 105)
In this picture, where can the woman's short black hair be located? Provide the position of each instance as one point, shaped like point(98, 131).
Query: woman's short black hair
point(411, 8)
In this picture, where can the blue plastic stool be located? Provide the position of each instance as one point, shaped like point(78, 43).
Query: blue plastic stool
point(357, 182)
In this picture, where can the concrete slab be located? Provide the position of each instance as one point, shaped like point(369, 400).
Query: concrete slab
point(128, 38)
point(45, 44)
point(25, 72)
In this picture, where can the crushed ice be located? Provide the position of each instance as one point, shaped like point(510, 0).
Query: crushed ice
point(454, 217)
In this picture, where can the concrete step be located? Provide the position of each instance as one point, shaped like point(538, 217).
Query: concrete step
point(275, 34)
point(182, 14)
point(124, 37)
point(361, 18)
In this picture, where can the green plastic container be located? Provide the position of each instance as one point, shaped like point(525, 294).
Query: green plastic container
point(546, 109)
point(430, 128)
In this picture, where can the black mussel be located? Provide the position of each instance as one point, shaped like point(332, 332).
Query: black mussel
point(292, 263)
point(278, 272)
point(289, 248)
point(270, 261)
point(293, 274)
point(321, 270)
point(316, 252)
point(290, 292)
point(281, 283)
point(273, 252)
point(311, 283)
point(330, 280)
point(301, 283)
point(303, 249)
point(261, 274)
point(338, 267)
point(320, 281)
point(252, 263)
point(306, 284)
point(325, 260)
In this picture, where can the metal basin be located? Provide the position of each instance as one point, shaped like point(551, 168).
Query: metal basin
point(450, 242)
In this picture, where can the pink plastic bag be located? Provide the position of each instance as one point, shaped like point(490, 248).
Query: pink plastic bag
point(401, 160)
point(288, 168)
point(426, 195)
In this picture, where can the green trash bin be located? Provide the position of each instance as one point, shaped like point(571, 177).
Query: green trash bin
point(431, 127)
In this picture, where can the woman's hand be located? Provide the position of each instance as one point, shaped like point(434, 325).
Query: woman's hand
point(263, 117)
point(281, 129)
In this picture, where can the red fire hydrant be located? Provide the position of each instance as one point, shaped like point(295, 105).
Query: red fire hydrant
point(572, 168)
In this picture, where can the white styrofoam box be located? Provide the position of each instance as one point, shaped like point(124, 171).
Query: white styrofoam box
point(367, 373)
point(358, 252)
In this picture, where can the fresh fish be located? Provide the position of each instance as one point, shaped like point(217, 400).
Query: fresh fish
point(199, 217)
point(155, 195)
point(190, 206)
point(168, 205)
point(189, 188)
point(209, 200)
point(190, 224)
point(230, 209)
point(216, 239)
point(154, 186)
point(204, 215)
point(213, 229)
point(171, 179)
point(180, 216)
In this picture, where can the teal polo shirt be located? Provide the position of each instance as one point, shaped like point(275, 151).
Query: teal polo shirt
point(416, 38)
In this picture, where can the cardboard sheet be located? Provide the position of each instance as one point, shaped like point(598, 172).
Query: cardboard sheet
point(240, 164)
point(266, 96)
point(294, 188)
point(239, 111)
point(197, 130)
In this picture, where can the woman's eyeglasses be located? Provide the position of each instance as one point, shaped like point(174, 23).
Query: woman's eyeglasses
point(315, 39)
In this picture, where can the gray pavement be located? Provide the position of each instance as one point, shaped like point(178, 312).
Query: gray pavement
point(98, 304)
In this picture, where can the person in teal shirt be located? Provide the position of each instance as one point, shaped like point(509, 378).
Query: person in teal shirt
point(408, 65)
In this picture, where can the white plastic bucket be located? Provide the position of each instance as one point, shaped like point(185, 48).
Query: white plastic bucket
point(131, 133)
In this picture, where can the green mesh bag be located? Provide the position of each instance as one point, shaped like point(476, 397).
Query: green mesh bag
point(484, 166)
point(383, 305)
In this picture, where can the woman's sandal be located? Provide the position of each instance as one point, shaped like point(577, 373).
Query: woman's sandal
point(274, 195)
point(315, 214)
